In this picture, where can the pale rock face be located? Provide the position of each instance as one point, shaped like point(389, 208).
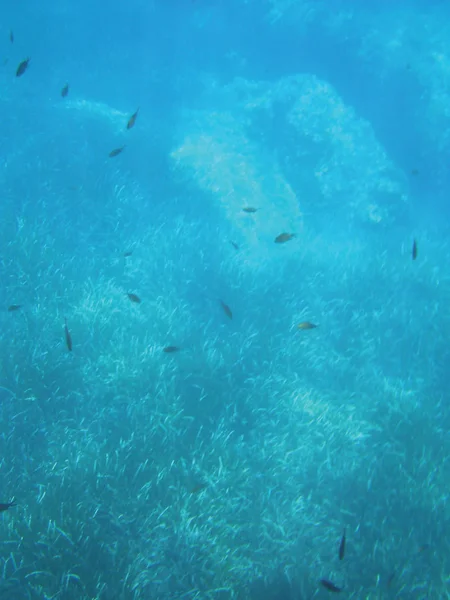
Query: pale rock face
point(333, 162)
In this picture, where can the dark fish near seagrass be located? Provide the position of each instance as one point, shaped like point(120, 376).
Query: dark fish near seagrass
point(284, 237)
point(134, 298)
point(5, 505)
point(414, 250)
point(128, 253)
point(116, 152)
point(197, 488)
point(235, 246)
point(11, 36)
point(14, 307)
point(342, 547)
point(390, 579)
point(132, 119)
point(67, 336)
point(330, 586)
point(226, 309)
point(249, 209)
point(171, 349)
point(22, 67)
point(65, 91)
point(306, 325)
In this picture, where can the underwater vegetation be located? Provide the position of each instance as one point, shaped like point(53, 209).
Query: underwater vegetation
point(224, 336)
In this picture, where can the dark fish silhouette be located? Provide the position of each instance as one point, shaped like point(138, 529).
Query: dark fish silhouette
point(284, 237)
point(306, 325)
point(134, 298)
point(414, 250)
point(128, 253)
point(14, 307)
point(65, 90)
point(67, 336)
point(235, 246)
point(171, 349)
point(11, 36)
point(330, 586)
point(197, 488)
point(390, 579)
point(226, 309)
point(116, 151)
point(249, 209)
point(132, 119)
point(22, 67)
point(6, 505)
point(342, 547)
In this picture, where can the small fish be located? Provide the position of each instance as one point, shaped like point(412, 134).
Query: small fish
point(116, 151)
point(235, 246)
point(306, 325)
point(284, 237)
point(11, 36)
point(128, 253)
point(330, 586)
point(197, 488)
point(134, 298)
point(414, 250)
point(342, 547)
point(390, 579)
point(414, 171)
point(5, 505)
point(67, 336)
point(250, 209)
point(171, 349)
point(65, 90)
point(132, 119)
point(226, 309)
point(22, 67)
point(14, 307)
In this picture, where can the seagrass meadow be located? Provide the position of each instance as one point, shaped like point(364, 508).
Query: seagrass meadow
point(224, 301)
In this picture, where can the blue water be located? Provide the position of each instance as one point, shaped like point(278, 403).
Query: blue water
point(317, 403)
